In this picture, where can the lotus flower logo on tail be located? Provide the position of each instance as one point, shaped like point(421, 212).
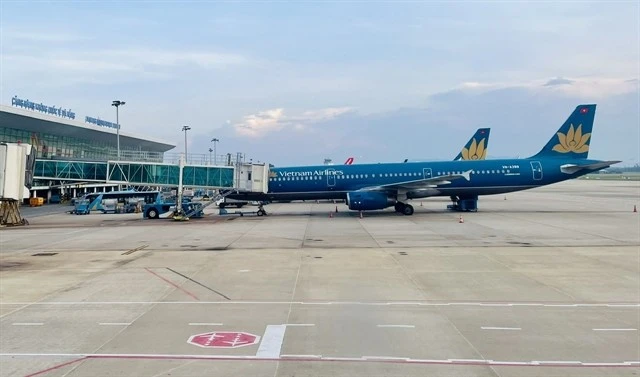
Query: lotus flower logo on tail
point(573, 141)
point(476, 151)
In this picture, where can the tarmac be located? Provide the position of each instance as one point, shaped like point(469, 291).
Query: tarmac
point(544, 282)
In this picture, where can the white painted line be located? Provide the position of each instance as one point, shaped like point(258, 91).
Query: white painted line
point(615, 329)
point(560, 305)
point(330, 358)
point(384, 358)
point(507, 362)
point(298, 324)
point(427, 361)
point(361, 359)
point(622, 305)
point(27, 323)
point(303, 356)
point(204, 324)
point(244, 270)
point(271, 341)
point(400, 326)
point(526, 304)
point(114, 323)
point(500, 328)
point(495, 304)
point(468, 360)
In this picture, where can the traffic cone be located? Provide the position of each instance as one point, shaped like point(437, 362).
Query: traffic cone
point(461, 220)
point(634, 208)
point(330, 215)
point(360, 214)
point(505, 197)
point(336, 209)
point(420, 204)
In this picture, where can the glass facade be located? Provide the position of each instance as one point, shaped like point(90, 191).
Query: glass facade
point(133, 173)
point(54, 147)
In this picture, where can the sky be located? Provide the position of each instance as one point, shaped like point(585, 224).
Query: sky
point(295, 82)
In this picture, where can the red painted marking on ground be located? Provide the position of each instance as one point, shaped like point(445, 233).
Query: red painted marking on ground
point(55, 367)
point(173, 284)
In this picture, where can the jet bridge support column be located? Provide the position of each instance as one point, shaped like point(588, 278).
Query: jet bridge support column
point(179, 213)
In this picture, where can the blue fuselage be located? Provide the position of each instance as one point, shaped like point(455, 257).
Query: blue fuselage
point(487, 177)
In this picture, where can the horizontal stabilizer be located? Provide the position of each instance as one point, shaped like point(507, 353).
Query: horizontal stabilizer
point(573, 168)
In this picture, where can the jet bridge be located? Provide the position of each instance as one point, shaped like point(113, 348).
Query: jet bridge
point(248, 177)
point(252, 177)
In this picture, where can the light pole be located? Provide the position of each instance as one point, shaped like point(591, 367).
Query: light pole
point(215, 157)
point(185, 129)
point(210, 160)
point(117, 104)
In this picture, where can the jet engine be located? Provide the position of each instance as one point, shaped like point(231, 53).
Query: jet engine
point(369, 200)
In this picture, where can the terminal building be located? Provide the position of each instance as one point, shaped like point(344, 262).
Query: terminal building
point(76, 157)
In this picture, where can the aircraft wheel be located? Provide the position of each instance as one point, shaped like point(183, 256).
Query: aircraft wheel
point(152, 213)
point(399, 207)
point(260, 212)
point(408, 209)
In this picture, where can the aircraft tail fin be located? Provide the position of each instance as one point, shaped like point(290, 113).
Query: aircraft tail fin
point(573, 137)
point(349, 161)
point(476, 147)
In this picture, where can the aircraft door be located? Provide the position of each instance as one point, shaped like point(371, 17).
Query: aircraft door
point(331, 177)
point(536, 168)
point(426, 172)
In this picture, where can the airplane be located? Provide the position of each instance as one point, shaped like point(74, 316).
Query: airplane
point(473, 150)
point(378, 186)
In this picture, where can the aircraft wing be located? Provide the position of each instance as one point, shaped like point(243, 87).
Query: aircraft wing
point(573, 168)
point(420, 183)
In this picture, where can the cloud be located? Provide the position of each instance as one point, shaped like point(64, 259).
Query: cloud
point(40, 36)
point(110, 66)
point(583, 87)
point(264, 122)
point(261, 123)
point(559, 81)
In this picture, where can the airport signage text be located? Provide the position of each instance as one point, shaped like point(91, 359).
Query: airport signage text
point(52, 110)
point(100, 122)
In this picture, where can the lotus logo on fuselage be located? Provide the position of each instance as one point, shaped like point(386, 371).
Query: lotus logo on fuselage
point(476, 151)
point(573, 141)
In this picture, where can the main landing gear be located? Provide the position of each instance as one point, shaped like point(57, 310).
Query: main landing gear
point(405, 209)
